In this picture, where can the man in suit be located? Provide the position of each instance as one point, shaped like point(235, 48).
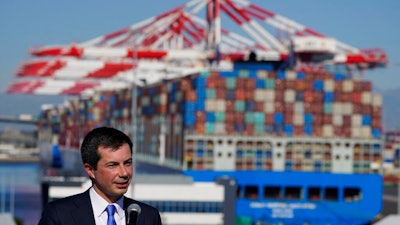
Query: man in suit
point(107, 159)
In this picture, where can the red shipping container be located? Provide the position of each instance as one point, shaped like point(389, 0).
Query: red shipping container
point(240, 94)
point(211, 82)
point(307, 107)
point(318, 97)
point(229, 127)
point(230, 117)
point(221, 92)
point(337, 97)
point(300, 85)
point(200, 116)
point(239, 117)
point(289, 108)
point(241, 83)
point(221, 83)
point(366, 109)
point(250, 84)
point(338, 86)
point(309, 85)
point(366, 86)
point(356, 97)
point(279, 85)
point(317, 130)
point(250, 94)
point(298, 130)
point(279, 107)
point(200, 128)
point(317, 108)
point(269, 118)
point(249, 129)
point(327, 119)
point(346, 97)
point(259, 106)
point(279, 96)
point(308, 96)
point(338, 131)
point(229, 106)
point(357, 85)
point(347, 121)
point(288, 118)
point(317, 119)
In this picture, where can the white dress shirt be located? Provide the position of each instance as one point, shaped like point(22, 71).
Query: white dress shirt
point(99, 206)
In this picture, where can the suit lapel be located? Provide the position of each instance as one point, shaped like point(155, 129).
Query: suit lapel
point(83, 213)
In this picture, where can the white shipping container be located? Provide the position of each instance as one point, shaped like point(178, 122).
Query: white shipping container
point(356, 120)
point(337, 108)
point(220, 105)
point(211, 105)
point(289, 96)
point(329, 85)
point(219, 128)
point(337, 120)
point(96, 113)
point(262, 74)
point(291, 75)
point(269, 95)
point(298, 119)
point(376, 100)
point(366, 132)
point(260, 95)
point(348, 86)
point(327, 130)
point(366, 98)
point(347, 108)
point(299, 107)
point(355, 132)
point(269, 107)
point(163, 98)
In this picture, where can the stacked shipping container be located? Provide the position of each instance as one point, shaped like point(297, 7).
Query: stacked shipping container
point(175, 117)
point(254, 101)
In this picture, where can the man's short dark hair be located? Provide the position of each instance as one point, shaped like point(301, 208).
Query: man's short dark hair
point(106, 137)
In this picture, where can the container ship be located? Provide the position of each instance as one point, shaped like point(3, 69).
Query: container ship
point(286, 119)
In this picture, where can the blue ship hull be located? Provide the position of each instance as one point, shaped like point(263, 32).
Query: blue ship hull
point(265, 197)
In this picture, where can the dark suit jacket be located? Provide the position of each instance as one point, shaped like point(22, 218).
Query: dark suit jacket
point(77, 210)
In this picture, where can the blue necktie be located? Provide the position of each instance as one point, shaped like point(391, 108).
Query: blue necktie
point(110, 212)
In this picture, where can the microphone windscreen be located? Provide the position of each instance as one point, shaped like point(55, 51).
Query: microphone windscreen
point(132, 214)
point(134, 207)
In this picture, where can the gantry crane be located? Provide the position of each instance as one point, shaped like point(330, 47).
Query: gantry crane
point(179, 42)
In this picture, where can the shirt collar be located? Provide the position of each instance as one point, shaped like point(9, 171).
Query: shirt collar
point(99, 204)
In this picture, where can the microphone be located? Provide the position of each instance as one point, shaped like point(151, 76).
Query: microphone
point(132, 214)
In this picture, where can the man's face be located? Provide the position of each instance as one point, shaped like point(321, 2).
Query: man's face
point(114, 172)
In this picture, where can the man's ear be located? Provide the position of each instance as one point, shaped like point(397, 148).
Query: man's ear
point(89, 170)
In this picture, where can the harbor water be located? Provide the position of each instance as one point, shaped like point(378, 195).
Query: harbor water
point(20, 191)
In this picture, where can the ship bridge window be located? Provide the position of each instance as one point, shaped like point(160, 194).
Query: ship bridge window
point(272, 192)
point(314, 193)
point(352, 194)
point(331, 194)
point(251, 192)
point(293, 192)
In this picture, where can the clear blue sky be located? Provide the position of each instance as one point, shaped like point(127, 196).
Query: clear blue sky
point(26, 24)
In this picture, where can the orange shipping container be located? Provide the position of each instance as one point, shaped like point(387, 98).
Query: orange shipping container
point(240, 94)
